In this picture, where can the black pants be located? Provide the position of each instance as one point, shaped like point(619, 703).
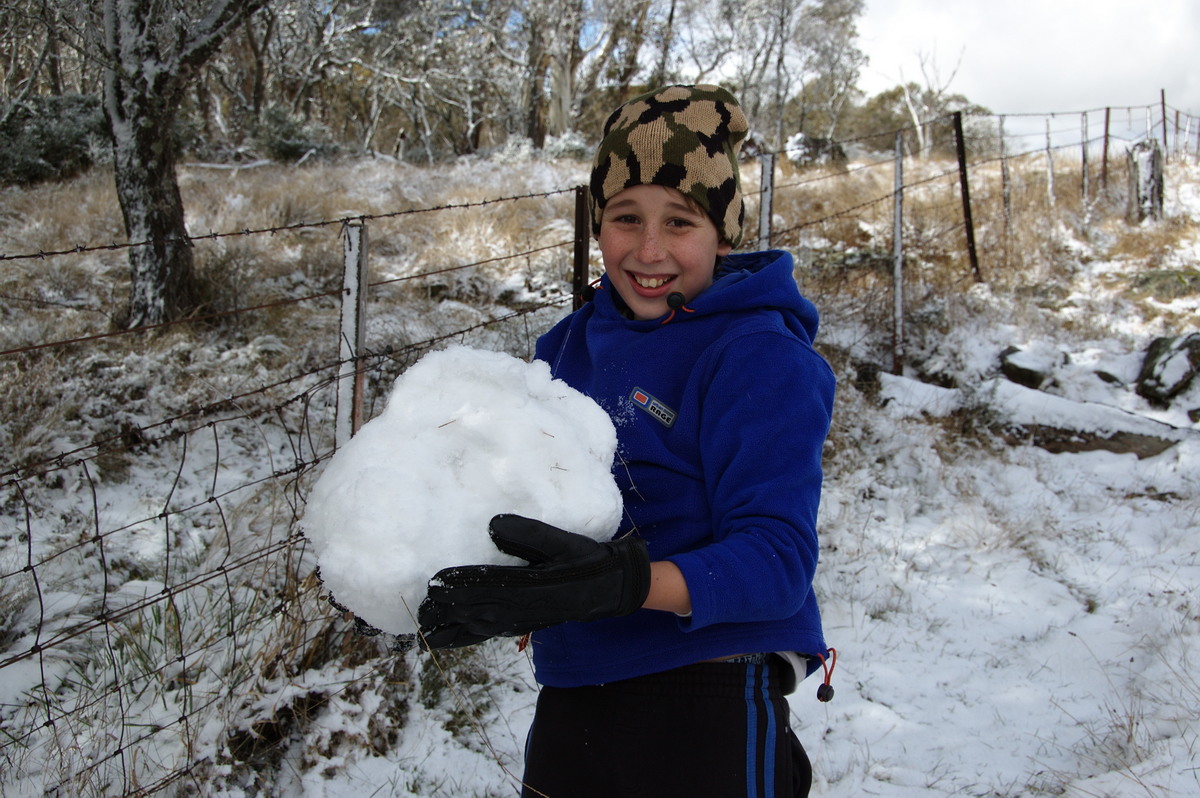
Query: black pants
point(713, 729)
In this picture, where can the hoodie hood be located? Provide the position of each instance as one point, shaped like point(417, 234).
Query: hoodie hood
point(721, 411)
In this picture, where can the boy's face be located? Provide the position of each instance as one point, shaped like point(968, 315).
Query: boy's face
point(655, 244)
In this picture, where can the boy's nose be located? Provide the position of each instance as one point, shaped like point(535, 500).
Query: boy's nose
point(649, 249)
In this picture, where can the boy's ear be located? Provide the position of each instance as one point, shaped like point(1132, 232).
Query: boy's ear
point(724, 248)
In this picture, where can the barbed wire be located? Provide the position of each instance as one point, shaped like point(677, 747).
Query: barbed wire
point(275, 304)
point(81, 249)
point(341, 221)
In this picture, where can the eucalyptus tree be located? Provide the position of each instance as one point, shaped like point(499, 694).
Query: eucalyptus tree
point(830, 65)
point(771, 51)
point(147, 53)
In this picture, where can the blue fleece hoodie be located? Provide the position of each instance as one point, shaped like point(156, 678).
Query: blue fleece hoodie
point(721, 415)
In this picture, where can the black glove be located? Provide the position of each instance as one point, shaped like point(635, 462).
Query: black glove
point(569, 578)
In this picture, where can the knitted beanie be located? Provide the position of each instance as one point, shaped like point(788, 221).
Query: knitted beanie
point(681, 137)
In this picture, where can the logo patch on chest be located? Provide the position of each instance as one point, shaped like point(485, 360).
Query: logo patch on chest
point(663, 414)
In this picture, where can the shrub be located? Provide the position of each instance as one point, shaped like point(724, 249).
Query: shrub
point(49, 138)
point(283, 136)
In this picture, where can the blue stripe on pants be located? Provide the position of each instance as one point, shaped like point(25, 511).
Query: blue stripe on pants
point(751, 733)
point(757, 683)
point(769, 748)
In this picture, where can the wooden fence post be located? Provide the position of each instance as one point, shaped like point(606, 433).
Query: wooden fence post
point(1005, 192)
point(583, 239)
point(1145, 181)
point(766, 202)
point(898, 259)
point(1163, 100)
point(961, 146)
point(351, 374)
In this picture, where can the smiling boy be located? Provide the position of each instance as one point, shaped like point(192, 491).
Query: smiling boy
point(666, 654)
point(656, 243)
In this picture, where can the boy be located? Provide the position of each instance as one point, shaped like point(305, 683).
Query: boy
point(665, 655)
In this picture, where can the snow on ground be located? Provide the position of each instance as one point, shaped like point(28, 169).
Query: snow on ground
point(1009, 622)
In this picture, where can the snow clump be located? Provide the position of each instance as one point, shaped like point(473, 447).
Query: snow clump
point(466, 434)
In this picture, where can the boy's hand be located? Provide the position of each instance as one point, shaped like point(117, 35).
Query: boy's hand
point(569, 578)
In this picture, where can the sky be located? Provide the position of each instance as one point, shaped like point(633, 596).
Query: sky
point(1039, 56)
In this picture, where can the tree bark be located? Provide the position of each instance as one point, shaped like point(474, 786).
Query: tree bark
point(162, 275)
point(151, 52)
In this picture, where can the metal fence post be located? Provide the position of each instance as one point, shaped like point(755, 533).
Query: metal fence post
point(1050, 199)
point(961, 146)
point(766, 201)
point(1104, 156)
point(1084, 155)
point(1005, 192)
point(351, 376)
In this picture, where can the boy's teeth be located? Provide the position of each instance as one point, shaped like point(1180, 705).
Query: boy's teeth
point(650, 282)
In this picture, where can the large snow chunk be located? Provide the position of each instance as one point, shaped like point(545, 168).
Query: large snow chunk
point(466, 434)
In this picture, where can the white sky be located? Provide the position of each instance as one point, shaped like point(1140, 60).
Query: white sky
point(1040, 56)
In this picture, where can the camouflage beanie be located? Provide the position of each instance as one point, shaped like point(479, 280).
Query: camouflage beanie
point(681, 137)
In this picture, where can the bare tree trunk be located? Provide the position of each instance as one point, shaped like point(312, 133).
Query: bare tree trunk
point(163, 285)
point(150, 53)
point(139, 105)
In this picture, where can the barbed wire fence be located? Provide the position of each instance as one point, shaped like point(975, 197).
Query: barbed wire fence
point(161, 622)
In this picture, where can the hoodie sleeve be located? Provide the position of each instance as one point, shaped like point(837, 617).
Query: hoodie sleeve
point(765, 416)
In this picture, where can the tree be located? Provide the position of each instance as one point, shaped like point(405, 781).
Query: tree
point(930, 101)
point(780, 55)
point(149, 51)
point(832, 63)
point(925, 110)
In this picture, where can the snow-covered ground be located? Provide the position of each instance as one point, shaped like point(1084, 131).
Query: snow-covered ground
point(1008, 621)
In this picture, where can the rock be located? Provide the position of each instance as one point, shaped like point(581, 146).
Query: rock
point(1057, 440)
point(1026, 416)
point(1169, 368)
point(1022, 373)
point(805, 150)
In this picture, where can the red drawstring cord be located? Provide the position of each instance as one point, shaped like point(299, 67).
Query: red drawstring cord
point(825, 691)
point(591, 288)
point(681, 307)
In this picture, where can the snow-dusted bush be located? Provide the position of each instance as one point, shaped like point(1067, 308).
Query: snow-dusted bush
point(47, 138)
point(282, 136)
